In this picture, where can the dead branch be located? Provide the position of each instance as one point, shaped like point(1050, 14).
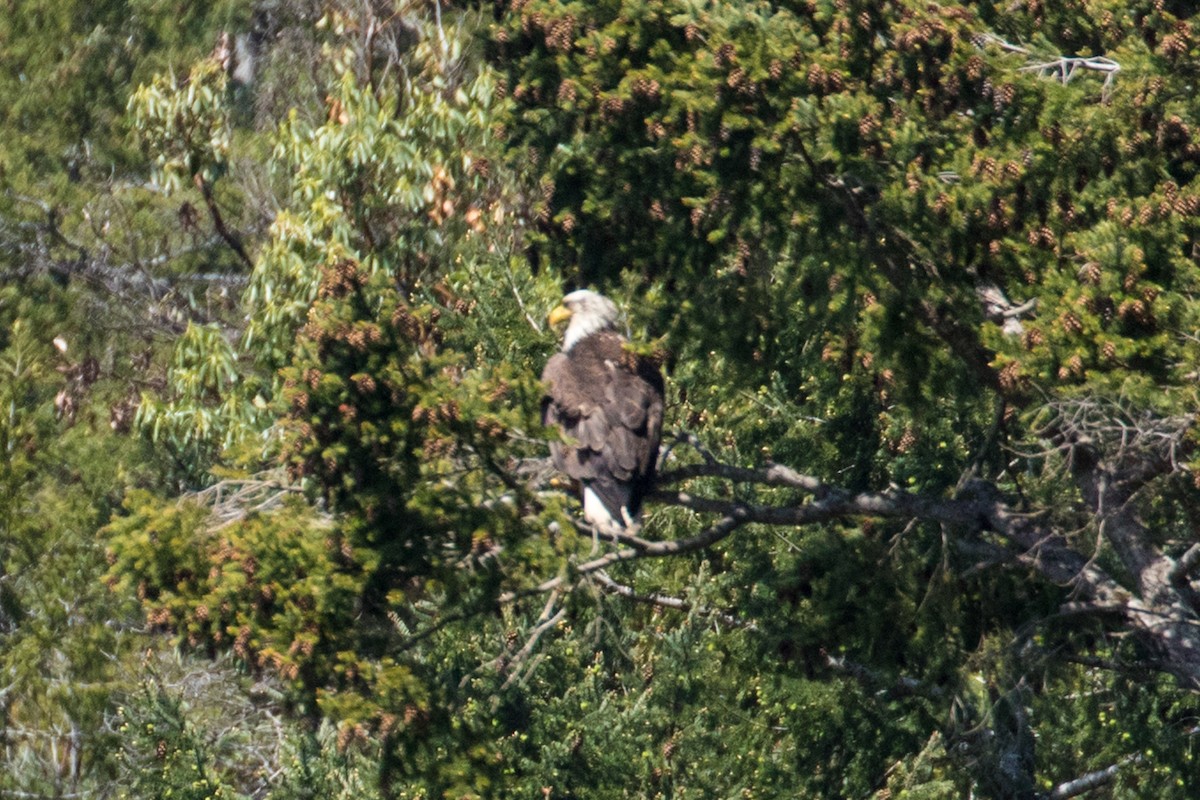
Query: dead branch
point(1092, 780)
point(1061, 68)
point(548, 619)
point(234, 499)
point(666, 601)
point(1138, 444)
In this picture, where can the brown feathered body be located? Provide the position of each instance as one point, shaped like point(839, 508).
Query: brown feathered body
point(608, 402)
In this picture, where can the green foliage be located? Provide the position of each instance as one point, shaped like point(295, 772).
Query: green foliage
point(695, 132)
point(66, 72)
point(376, 426)
point(211, 407)
point(74, 337)
point(269, 587)
point(835, 177)
point(62, 640)
point(838, 186)
point(186, 124)
point(398, 180)
point(320, 767)
point(878, 243)
point(193, 728)
point(376, 293)
point(184, 765)
point(1107, 719)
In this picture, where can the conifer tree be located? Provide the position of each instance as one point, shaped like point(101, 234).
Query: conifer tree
point(922, 276)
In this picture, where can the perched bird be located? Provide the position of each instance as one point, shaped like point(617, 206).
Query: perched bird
point(608, 403)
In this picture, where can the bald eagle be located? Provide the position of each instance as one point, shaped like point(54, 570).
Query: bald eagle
point(608, 403)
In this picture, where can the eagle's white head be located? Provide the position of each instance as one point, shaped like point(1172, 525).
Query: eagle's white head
point(588, 313)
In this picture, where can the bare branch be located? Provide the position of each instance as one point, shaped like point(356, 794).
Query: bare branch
point(671, 547)
point(1064, 68)
point(666, 601)
point(1061, 68)
point(1092, 780)
point(690, 439)
point(547, 620)
point(516, 293)
point(234, 499)
point(727, 525)
point(772, 475)
point(1137, 445)
point(1185, 566)
point(231, 238)
point(834, 503)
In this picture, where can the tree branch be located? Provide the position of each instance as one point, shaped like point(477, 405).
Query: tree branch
point(666, 601)
point(1092, 780)
point(1063, 68)
point(231, 239)
point(1185, 567)
point(672, 547)
point(547, 620)
point(1155, 610)
point(772, 475)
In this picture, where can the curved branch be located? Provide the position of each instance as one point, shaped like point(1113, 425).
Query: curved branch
point(1155, 610)
point(666, 601)
point(231, 239)
point(671, 547)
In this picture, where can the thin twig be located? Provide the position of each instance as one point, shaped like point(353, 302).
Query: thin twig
point(707, 537)
point(771, 475)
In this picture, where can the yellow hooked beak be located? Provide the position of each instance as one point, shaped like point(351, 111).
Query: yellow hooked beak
point(559, 314)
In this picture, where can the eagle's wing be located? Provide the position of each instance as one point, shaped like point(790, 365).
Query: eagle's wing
point(633, 407)
point(568, 407)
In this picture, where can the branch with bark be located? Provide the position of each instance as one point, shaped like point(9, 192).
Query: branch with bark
point(1110, 454)
point(1092, 780)
point(230, 237)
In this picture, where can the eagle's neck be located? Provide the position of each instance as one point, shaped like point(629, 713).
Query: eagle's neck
point(582, 326)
